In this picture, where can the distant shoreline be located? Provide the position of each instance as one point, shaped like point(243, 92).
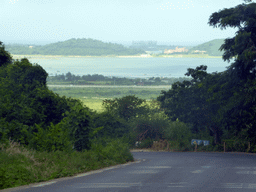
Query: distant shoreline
point(124, 56)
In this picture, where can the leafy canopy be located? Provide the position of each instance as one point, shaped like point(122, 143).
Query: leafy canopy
point(242, 46)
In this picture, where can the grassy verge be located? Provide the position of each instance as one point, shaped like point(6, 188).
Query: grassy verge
point(21, 166)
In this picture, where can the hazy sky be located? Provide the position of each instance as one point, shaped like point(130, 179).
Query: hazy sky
point(182, 22)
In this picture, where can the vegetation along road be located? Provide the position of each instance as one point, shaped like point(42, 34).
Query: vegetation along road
point(163, 171)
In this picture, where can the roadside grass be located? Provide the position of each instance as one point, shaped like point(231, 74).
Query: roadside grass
point(21, 166)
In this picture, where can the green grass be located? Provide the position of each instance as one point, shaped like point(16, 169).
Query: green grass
point(92, 97)
point(95, 104)
point(21, 166)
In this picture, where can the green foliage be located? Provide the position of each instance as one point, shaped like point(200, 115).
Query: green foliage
point(146, 143)
point(221, 105)
point(52, 139)
point(20, 166)
point(179, 134)
point(15, 130)
point(5, 57)
point(113, 126)
point(126, 107)
point(14, 172)
point(150, 126)
point(77, 121)
point(242, 46)
point(114, 149)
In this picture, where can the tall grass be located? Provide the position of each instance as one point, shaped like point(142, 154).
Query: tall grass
point(20, 165)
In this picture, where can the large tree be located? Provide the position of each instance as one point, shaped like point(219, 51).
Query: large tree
point(242, 45)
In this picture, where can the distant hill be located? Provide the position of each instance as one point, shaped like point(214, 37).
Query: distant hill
point(82, 47)
point(211, 47)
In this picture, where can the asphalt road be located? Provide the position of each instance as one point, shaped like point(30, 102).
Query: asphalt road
point(164, 171)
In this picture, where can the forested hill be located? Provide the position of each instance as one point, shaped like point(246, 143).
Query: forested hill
point(83, 47)
point(211, 47)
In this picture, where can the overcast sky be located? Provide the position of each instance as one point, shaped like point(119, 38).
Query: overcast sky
point(183, 22)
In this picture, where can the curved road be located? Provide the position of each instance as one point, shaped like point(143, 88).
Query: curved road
point(162, 172)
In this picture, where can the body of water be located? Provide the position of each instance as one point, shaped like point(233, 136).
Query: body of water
point(127, 67)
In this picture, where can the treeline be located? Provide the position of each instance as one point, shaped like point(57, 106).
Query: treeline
point(82, 47)
point(70, 78)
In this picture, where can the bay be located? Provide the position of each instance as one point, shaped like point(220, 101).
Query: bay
point(130, 67)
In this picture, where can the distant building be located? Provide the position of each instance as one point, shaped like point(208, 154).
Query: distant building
point(30, 47)
point(176, 50)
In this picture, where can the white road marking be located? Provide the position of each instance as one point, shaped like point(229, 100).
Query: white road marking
point(238, 185)
point(232, 185)
point(180, 184)
point(197, 171)
point(245, 167)
point(40, 185)
point(89, 173)
point(155, 167)
point(143, 171)
point(247, 172)
point(252, 186)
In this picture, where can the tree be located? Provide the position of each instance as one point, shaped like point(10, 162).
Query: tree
point(242, 46)
point(126, 107)
point(239, 109)
point(5, 57)
point(188, 101)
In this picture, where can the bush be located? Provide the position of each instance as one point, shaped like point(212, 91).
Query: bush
point(179, 135)
point(150, 126)
point(146, 143)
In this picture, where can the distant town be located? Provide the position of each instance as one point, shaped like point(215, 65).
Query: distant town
point(151, 47)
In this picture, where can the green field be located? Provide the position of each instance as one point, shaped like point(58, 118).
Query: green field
point(92, 97)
